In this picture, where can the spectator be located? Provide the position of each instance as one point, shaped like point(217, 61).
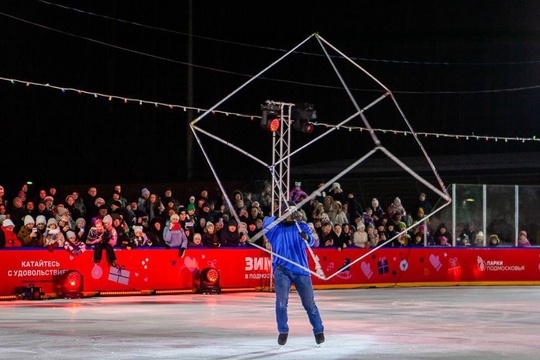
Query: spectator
point(327, 238)
point(297, 194)
point(143, 199)
point(423, 204)
point(442, 231)
point(494, 240)
point(210, 238)
point(174, 235)
point(404, 239)
point(336, 192)
point(43, 211)
point(53, 236)
point(103, 237)
point(185, 223)
point(328, 203)
point(121, 198)
point(348, 230)
point(74, 212)
point(394, 208)
point(102, 212)
point(197, 241)
point(265, 198)
point(443, 241)
point(17, 212)
point(8, 239)
point(155, 232)
point(115, 197)
point(3, 199)
point(523, 241)
point(193, 219)
point(29, 234)
point(373, 236)
point(360, 236)
point(89, 201)
point(354, 207)
point(79, 203)
point(340, 239)
point(139, 238)
point(479, 239)
point(321, 194)
point(337, 215)
point(137, 215)
point(230, 237)
point(122, 231)
point(30, 209)
point(72, 245)
point(463, 240)
point(318, 211)
point(377, 211)
point(42, 194)
point(80, 229)
point(41, 225)
point(154, 207)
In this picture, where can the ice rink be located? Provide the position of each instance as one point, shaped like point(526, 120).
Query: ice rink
point(394, 323)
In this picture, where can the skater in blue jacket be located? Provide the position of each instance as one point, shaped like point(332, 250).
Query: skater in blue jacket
point(289, 240)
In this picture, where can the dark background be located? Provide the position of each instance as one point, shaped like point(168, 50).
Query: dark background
point(455, 67)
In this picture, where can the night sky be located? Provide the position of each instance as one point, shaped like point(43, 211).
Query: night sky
point(455, 67)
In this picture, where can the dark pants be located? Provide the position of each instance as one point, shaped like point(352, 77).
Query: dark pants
point(98, 251)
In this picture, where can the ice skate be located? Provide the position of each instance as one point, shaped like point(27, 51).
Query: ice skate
point(282, 339)
point(319, 338)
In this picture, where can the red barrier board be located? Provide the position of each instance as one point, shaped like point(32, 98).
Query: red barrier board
point(161, 269)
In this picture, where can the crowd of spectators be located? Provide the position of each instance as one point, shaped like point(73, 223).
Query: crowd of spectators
point(74, 222)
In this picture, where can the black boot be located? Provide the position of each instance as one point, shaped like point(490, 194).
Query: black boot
point(282, 338)
point(319, 338)
point(182, 251)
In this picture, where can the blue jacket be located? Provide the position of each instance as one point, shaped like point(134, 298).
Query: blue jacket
point(286, 241)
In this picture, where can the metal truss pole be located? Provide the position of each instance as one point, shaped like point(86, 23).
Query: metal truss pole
point(281, 150)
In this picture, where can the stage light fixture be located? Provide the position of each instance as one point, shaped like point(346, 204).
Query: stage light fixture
point(271, 117)
point(206, 281)
point(71, 284)
point(303, 115)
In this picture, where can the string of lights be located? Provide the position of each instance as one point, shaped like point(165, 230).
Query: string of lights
point(123, 99)
point(156, 104)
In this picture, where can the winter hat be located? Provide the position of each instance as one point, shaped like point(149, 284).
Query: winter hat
point(479, 235)
point(137, 229)
point(401, 225)
point(336, 186)
point(231, 222)
point(7, 222)
point(28, 220)
point(522, 232)
point(175, 217)
point(52, 221)
point(145, 191)
point(79, 220)
point(70, 234)
point(297, 183)
point(107, 219)
point(41, 219)
point(190, 207)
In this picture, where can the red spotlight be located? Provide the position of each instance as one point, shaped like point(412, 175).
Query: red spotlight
point(270, 119)
point(206, 281)
point(71, 284)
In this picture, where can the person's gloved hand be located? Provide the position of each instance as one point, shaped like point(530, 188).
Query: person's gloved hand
point(304, 236)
